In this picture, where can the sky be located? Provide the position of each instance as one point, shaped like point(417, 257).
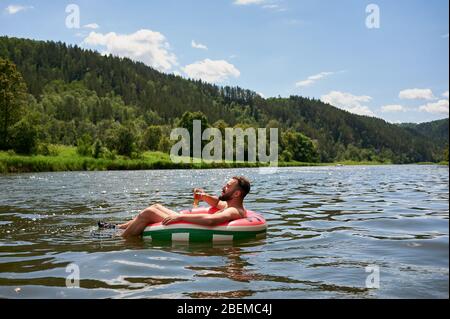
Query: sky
point(383, 58)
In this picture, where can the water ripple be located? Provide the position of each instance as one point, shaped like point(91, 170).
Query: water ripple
point(326, 226)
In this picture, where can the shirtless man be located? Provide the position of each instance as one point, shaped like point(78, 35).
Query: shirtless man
point(230, 205)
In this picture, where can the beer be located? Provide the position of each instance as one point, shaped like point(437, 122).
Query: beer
point(197, 196)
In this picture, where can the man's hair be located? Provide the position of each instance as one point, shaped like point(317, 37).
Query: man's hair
point(244, 184)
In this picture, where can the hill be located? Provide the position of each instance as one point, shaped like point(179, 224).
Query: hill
point(79, 92)
point(436, 130)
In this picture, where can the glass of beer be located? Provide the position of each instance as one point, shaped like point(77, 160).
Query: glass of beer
point(197, 195)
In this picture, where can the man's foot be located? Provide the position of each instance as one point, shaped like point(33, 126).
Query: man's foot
point(105, 225)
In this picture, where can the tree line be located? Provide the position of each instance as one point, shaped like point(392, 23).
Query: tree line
point(107, 106)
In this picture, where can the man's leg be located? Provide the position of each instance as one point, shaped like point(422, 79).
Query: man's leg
point(125, 226)
point(155, 206)
point(153, 214)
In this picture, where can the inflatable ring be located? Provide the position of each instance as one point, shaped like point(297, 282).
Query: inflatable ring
point(252, 227)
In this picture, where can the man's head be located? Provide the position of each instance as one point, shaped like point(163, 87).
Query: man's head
point(236, 188)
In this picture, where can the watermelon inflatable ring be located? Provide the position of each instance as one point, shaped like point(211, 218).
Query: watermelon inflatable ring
point(252, 227)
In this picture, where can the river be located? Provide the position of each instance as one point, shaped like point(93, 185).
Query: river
point(333, 232)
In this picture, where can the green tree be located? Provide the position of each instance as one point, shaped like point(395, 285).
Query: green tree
point(188, 118)
point(151, 138)
point(298, 147)
point(84, 145)
point(23, 137)
point(221, 125)
point(164, 145)
point(126, 141)
point(12, 96)
point(97, 149)
point(122, 139)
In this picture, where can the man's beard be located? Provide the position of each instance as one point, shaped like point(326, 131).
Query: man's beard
point(226, 197)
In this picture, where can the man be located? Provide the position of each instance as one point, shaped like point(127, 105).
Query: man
point(230, 205)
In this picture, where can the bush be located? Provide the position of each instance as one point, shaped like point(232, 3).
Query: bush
point(286, 156)
point(3, 168)
point(97, 149)
point(42, 149)
point(125, 141)
point(23, 137)
point(121, 139)
point(301, 148)
point(47, 149)
point(151, 138)
point(84, 145)
point(136, 155)
point(107, 154)
point(164, 145)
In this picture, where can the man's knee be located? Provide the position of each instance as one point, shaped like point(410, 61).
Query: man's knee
point(146, 213)
point(153, 207)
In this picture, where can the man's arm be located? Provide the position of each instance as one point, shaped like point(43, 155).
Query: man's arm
point(203, 219)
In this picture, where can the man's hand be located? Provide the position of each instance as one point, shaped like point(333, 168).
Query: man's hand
point(171, 219)
point(200, 191)
point(212, 201)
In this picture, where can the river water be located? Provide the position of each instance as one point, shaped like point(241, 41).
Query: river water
point(333, 232)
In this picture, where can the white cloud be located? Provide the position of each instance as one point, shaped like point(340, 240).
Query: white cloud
point(293, 21)
point(146, 46)
point(211, 71)
point(198, 45)
point(247, 2)
point(312, 79)
point(439, 107)
point(445, 94)
point(13, 9)
point(349, 102)
point(416, 94)
point(392, 108)
point(274, 7)
point(91, 26)
point(265, 4)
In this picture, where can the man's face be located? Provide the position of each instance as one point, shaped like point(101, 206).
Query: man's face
point(228, 190)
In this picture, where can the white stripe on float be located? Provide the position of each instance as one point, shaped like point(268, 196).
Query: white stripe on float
point(180, 237)
point(222, 237)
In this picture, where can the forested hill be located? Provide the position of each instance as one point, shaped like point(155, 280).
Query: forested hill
point(80, 91)
point(436, 130)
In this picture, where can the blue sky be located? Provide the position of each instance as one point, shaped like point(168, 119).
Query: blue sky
point(314, 48)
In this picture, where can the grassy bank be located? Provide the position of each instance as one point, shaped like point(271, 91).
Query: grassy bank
point(65, 158)
point(68, 160)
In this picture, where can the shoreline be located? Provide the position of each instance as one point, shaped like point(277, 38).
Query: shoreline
point(71, 161)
